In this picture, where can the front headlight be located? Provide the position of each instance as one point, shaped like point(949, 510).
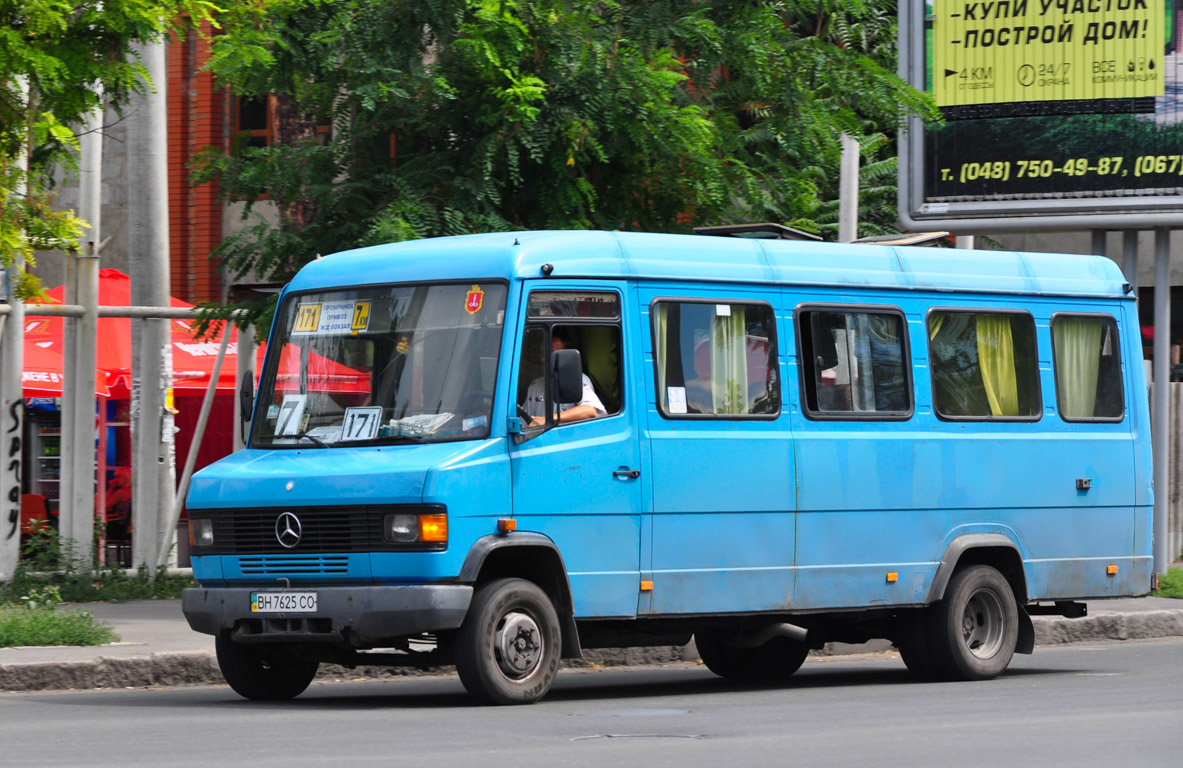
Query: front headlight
point(201, 532)
point(411, 527)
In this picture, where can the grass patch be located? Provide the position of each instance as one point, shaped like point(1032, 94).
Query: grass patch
point(43, 626)
point(37, 621)
point(1170, 584)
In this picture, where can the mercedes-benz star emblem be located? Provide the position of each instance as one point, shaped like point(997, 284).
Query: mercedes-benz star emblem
point(288, 530)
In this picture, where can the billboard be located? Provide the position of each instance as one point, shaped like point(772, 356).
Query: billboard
point(1057, 114)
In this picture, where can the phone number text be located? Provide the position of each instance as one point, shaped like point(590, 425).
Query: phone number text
point(1005, 170)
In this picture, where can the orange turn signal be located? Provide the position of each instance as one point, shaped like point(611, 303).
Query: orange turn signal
point(1111, 570)
point(892, 577)
point(646, 586)
point(507, 524)
point(433, 527)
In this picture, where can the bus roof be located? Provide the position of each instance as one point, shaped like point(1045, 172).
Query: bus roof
point(645, 256)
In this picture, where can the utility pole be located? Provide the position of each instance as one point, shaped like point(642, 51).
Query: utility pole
point(12, 402)
point(848, 190)
point(152, 430)
point(77, 489)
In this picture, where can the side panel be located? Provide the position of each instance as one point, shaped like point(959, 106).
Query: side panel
point(879, 498)
point(721, 517)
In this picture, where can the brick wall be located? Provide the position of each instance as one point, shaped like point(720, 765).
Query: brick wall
point(196, 113)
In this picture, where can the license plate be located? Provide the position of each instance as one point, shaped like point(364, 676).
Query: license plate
point(283, 602)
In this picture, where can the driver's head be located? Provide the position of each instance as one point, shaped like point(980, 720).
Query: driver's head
point(560, 338)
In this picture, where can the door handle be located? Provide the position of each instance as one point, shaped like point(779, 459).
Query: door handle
point(631, 473)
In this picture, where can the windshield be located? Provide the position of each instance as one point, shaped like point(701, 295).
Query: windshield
point(380, 365)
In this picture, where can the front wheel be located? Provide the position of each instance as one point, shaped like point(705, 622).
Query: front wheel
point(262, 673)
point(775, 660)
point(974, 629)
point(507, 649)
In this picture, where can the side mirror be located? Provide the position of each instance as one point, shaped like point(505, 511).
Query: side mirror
point(567, 372)
point(246, 396)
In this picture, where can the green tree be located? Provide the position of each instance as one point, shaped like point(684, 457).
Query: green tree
point(511, 114)
point(59, 62)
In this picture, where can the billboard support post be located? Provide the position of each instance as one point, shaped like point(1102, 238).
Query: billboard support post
point(1162, 376)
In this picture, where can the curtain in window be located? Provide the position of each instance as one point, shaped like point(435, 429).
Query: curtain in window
point(957, 382)
point(729, 363)
point(996, 357)
point(661, 323)
point(1078, 364)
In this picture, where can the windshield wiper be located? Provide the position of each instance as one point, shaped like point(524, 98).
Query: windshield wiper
point(320, 443)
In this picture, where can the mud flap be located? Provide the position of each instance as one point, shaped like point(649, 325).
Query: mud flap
point(1026, 640)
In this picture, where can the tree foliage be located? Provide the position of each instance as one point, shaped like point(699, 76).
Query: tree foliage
point(509, 114)
point(60, 62)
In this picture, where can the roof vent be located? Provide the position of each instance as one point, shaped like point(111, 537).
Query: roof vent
point(765, 231)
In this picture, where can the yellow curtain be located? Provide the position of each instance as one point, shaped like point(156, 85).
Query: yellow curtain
point(661, 339)
point(1078, 364)
point(729, 362)
point(996, 357)
point(935, 322)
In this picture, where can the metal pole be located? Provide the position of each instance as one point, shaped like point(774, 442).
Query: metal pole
point(1098, 243)
point(1129, 241)
point(966, 242)
point(1162, 375)
point(78, 391)
point(245, 369)
point(207, 404)
point(848, 189)
point(152, 437)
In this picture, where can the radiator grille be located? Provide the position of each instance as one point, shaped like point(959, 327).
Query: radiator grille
point(263, 565)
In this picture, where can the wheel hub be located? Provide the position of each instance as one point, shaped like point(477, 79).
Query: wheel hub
point(518, 645)
point(982, 624)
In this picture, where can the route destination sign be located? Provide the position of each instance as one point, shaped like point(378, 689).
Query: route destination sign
point(1009, 51)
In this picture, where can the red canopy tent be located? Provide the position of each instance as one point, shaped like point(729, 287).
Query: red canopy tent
point(193, 360)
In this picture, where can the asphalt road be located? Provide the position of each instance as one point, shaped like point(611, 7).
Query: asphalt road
point(1110, 705)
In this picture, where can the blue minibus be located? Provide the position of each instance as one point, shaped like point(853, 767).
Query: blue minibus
point(497, 451)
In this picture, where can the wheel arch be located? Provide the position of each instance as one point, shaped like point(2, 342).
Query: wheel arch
point(999, 552)
point(529, 556)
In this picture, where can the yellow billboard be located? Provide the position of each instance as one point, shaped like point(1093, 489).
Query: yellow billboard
point(1006, 51)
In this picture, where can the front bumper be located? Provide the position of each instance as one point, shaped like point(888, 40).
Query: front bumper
point(361, 615)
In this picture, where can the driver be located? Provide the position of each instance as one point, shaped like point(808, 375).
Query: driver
point(588, 407)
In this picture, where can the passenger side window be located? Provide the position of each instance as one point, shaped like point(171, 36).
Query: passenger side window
point(1087, 367)
point(715, 360)
point(983, 365)
point(854, 364)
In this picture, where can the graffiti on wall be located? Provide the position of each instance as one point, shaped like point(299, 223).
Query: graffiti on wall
point(12, 460)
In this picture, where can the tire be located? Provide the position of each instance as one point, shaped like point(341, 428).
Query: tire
point(777, 659)
point(259, 672)
point(973, 631)
point(508, 648)
point(912, 642)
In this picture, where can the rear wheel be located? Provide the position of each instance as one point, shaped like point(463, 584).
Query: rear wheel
point(507, 649)
point(262, 672)
point(974, 629)
point(776, 659)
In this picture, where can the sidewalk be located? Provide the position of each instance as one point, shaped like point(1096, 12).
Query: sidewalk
point(157, 647)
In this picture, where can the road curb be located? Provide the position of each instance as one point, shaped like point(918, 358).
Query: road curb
point(201, 667)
